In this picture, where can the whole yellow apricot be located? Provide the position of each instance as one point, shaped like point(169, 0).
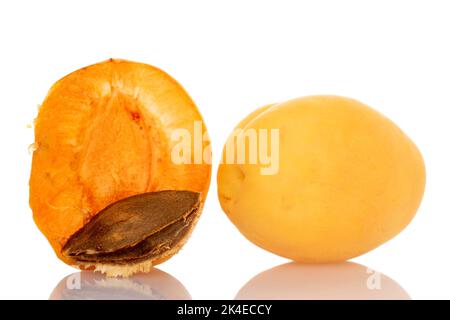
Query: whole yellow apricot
point(347, 179)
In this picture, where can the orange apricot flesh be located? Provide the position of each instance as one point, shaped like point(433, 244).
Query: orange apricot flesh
point(103, 134)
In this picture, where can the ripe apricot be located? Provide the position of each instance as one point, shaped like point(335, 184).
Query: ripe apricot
point(104, 134)
point(348, 179)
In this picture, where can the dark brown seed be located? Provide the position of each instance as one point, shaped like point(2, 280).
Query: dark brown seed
point(136, 228)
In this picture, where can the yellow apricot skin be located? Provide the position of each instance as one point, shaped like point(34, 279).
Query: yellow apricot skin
point(349, 180)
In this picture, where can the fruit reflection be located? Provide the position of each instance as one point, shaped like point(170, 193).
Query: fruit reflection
point(342, 281)
point(156, 285)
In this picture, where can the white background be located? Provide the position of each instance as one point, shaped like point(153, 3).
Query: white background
point(232, 57)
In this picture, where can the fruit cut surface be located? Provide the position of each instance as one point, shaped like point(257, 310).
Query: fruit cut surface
point(104, 133)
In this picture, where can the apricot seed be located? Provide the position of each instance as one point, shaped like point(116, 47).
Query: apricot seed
point(135, 228)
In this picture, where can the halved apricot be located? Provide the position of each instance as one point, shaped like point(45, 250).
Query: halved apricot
point(106, 133)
